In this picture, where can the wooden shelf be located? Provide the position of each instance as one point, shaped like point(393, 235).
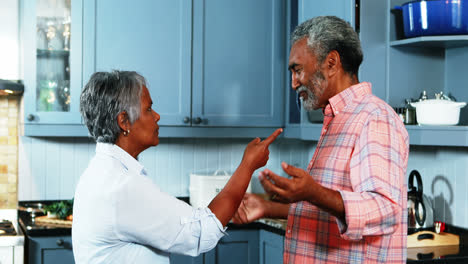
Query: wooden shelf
point(452, 41)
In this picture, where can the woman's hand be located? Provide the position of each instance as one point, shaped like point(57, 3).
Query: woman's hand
point(256, 153)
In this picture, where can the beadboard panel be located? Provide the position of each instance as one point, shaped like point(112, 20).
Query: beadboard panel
point(444, 172)
point(49, 168)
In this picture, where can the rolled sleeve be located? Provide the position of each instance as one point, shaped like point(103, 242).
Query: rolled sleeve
point(203, 228)
point(377, 173)
point(147, 216)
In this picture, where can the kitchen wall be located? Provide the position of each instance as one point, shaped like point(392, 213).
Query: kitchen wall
point(8, 151)
point(51, 167)
point(9, 69)
point(444, 172)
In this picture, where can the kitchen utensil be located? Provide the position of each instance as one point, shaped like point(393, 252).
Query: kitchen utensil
point(204, 186)
point(430, 239)
point(438, 112)
point(420, 211)
point(435, 17)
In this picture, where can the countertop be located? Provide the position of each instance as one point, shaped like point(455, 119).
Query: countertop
point(24, 218)
point(460, 257)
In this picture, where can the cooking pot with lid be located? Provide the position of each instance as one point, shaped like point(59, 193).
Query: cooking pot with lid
point(420, 212)
point(438, 112)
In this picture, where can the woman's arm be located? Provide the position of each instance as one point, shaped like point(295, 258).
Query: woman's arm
point(225, 204)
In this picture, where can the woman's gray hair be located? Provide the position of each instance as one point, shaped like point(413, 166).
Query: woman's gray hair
point(327, 33)
point(105, 96)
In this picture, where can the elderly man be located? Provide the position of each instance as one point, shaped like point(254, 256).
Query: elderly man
point(350, 204)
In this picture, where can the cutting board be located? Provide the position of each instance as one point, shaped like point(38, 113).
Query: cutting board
point(418, 253)
point(432, 239)
point(45, 220)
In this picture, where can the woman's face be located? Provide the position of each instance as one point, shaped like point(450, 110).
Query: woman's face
point(144, 131)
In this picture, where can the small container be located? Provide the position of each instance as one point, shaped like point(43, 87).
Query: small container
point(409, 113)
point(438, 112)
point(204, 186)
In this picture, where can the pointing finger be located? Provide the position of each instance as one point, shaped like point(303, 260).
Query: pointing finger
point(273, 136)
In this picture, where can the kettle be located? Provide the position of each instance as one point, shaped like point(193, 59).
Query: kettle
point(420, 212)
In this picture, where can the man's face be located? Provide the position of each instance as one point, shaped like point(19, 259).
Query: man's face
point(307, 77)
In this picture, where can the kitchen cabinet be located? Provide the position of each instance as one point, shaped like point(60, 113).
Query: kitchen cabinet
point(51, 40)
point(433, 64)
point(216, 64)
point(238, 246)
point(271, 247)
point(398, 69)
point(50, 250)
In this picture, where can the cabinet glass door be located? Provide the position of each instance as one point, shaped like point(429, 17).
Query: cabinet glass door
point(53, 24)
point(53, 82)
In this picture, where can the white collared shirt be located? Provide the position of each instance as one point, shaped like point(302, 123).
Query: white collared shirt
point(121, 216)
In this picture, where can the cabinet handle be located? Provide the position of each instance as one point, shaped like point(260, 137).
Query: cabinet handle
point(197, 120)
point(186, 119)
point(60, 242)
point(30, 117)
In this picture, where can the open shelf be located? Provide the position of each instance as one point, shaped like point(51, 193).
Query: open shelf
point(452, 41)
point(52, 53)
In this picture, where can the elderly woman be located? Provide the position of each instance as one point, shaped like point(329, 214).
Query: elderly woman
point(120, 215)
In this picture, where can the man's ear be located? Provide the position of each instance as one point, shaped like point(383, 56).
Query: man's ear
point(123, 121)
point(332, 63)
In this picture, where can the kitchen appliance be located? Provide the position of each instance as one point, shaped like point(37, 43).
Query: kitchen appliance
point(435, 17)
point(420, 211)
point(204, 186)
point(11, 87)
point(11, 238)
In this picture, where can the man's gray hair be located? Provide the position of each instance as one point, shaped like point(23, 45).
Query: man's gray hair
point(105, 96)
point(327, 33)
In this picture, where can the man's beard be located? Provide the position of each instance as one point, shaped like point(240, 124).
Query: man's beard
point(318, 82)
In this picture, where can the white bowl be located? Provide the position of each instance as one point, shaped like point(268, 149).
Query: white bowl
point(438, 112)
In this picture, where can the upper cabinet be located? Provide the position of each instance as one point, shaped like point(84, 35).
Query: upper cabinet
point(215, 68)
point(208, 63)
point(51, 39)
point(432, 64)
point(151, 37)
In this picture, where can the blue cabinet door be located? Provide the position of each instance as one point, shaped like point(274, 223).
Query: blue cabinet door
point(239, 62)
point(340, 8)
point(152, 37)
point(182, 259)
point(271, 248)
point(238, 246)
point(51, 38)
point(50, 250)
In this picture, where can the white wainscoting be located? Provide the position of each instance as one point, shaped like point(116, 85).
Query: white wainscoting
point(49, 168)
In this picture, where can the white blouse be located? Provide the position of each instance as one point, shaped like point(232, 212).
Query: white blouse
point(121, 216)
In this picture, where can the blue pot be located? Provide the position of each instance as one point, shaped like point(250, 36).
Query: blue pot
point(435, 17)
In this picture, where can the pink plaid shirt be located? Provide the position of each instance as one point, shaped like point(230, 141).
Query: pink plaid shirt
point(363, 154)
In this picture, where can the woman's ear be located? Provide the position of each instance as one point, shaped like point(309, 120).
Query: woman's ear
point(123, 121)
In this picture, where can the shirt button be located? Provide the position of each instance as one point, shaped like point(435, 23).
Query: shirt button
point(289, 231)
point(337, 112)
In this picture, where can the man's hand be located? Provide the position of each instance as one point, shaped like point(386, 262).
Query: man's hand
point(299, 188)
point(256, 153)
point(251, 208)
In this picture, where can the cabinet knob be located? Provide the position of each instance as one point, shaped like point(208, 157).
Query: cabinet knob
point(60, 242)
point(197, 120)
point(186, 119)
point(30, 117)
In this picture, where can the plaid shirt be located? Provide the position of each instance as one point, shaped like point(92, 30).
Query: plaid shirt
point(363, 154)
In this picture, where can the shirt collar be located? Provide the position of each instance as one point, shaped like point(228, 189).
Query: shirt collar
point(339, 101)
point(129, 163)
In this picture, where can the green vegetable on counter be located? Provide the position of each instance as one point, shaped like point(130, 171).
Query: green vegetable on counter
point(61, 209)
